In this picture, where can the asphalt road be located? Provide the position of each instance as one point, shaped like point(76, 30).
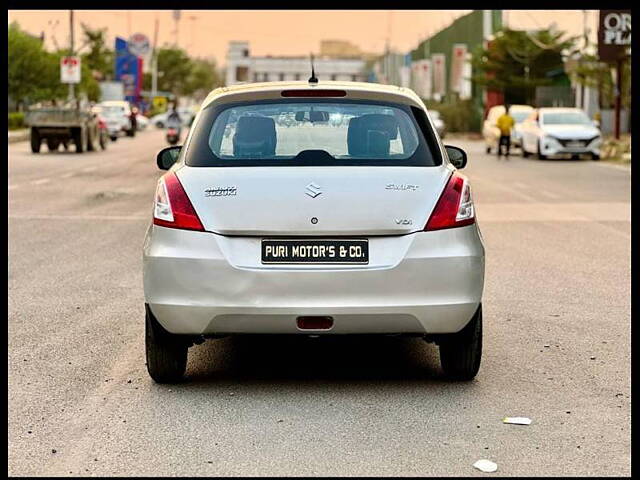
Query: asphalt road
point(556, 342)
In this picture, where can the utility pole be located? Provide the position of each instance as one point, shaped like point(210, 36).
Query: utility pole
point(154, 61)
point(176, 18)
point(71, 90)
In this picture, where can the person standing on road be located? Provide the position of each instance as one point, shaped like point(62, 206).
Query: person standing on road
point(505, 123)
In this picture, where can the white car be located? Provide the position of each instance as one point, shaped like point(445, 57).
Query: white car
point(142, 122)
point(560, 131)
point(316, 228)
point(491, 132)
point(117, 114)
point(160, 120)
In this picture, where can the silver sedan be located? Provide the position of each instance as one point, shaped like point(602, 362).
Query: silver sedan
point(363, 226)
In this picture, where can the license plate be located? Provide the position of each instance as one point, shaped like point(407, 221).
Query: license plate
point(315, 251)
point(575, 144)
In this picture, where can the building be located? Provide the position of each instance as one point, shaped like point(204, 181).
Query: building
point(243, 68)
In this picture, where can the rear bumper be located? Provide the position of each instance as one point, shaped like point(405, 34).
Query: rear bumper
point(192, 288)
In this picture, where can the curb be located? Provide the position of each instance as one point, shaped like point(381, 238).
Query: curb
point(19, 136)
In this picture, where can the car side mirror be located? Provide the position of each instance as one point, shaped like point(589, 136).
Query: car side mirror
point(167, 157)
point(457, 156)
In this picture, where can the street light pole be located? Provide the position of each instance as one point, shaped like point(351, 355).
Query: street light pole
point(71, 89)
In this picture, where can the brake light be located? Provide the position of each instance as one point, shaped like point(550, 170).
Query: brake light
point(314, 93)
point(455, 206)
point(172, 206)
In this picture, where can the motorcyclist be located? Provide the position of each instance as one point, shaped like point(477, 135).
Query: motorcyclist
point(174, 120)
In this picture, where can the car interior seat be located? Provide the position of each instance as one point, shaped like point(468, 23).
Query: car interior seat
point(371, 134)
point(255, 136)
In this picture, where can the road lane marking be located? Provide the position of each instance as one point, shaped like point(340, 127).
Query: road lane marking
point(80, 217)
point(67, 175)
point(42, 181)
point(88, 169)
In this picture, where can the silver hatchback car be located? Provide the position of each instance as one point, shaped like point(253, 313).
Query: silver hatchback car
point(311, 226)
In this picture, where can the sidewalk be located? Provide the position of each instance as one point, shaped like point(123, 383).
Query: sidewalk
point(18, 135)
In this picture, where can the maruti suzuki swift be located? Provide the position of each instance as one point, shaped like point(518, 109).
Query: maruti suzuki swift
point(326, 208)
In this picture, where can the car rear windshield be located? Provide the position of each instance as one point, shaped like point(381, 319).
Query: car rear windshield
point(311, 132)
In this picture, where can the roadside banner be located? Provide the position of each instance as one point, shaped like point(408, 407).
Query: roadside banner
point(421, 76)
point(405, 76)
point(70, 70)
point(439, 75)
point(128, 71)
point(457, 66)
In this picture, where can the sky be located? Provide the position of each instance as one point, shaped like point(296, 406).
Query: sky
point(205, 33)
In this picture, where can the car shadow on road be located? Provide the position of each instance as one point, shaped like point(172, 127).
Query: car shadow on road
point(333, 359)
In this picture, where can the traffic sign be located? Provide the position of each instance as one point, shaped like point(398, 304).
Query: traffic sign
point(160, 103)
point(70, 70)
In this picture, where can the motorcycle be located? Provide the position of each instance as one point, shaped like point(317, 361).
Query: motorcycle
point(173, 135)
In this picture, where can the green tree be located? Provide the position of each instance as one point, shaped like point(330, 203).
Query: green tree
point(203, 78)
point(516, 62)
point(99, 58)
point(33, 73)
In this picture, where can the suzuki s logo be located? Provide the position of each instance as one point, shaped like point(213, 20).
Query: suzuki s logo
point(313, 190)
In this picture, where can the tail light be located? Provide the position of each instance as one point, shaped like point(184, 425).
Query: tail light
point(455, 206)
point(172, 207)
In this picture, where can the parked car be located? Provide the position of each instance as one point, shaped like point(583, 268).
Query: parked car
point(491, 132)
point(142, 122)
point(441, 128)
point(186, 115)
point(258, 245)
point(560, 131)
point(118, 116)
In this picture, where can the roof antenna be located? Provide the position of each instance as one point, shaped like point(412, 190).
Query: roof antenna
point(313, 78)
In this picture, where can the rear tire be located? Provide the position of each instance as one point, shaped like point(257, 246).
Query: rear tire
point(525, 154)
point(36, 140)
point(488, 149)
point(80, 140)
point(595, 156)
point(166, 352)
point(53, 144)
point(114, 138)
point(460, 353)
point(91, 142)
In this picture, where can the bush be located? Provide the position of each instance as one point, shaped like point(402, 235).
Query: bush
point(16, 120)
point(458, 116)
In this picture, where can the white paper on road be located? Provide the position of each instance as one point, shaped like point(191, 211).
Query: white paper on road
point(517, 420)
point(486, 466)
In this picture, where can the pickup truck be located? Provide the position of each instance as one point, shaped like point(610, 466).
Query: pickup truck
point(64, 124)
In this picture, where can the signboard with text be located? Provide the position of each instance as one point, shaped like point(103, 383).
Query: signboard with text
point(70, 70)
point(439, 75)
point(614, 34)
point(458, 60)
